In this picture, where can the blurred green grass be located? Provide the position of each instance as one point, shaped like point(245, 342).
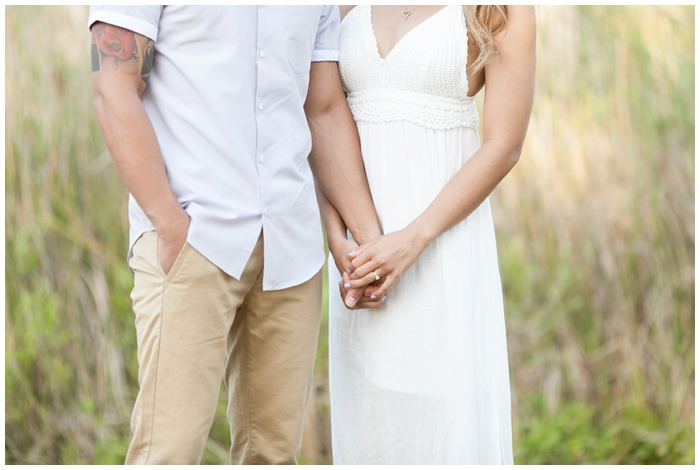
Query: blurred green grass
point(595, 230)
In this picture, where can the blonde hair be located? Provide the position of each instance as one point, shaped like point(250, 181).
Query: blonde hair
point(484, 22)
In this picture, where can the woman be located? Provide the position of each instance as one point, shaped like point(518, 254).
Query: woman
point(423, 377)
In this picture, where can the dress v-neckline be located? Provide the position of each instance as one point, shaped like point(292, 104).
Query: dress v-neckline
point(408, 33)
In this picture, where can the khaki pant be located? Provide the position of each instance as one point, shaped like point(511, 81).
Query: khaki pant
point(196, 325)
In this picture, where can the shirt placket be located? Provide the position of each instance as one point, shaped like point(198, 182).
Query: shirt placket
point(260, 106)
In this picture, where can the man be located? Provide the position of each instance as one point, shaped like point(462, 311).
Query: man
point(204, 111)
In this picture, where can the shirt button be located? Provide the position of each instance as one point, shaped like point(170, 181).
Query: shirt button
point(261, 158)
point(265, 211)
point(261, 54)
point(261, 107)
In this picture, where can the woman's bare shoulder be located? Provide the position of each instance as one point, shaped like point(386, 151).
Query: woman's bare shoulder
point(344, 10)
point(521, 28)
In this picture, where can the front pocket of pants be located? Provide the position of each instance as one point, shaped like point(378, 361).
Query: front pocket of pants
point(176, 264)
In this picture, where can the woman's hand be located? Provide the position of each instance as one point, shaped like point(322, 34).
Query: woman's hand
point(388, 257)
point(357, 298)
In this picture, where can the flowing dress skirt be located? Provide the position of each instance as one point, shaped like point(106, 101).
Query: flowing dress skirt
point(424, 378)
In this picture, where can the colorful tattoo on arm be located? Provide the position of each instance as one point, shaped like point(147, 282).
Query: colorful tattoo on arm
point(121, 46)
point(116, 42)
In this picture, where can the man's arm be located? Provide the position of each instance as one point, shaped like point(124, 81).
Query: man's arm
point(340, 246)
point(336, 162)
point(121, 66)
point(335, 158)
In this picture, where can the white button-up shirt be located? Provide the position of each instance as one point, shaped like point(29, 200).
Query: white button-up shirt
point(225, 97)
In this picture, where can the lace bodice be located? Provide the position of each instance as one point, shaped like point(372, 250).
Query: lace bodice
point(423, 79)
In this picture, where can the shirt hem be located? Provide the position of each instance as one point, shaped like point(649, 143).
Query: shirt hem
point(324, 55)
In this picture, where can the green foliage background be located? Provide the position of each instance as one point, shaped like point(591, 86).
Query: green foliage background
point(596, 244)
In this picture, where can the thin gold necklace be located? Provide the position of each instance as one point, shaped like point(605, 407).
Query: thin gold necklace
point(407, 12)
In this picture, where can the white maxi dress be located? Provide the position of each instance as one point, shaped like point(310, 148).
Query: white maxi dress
point(424, 378)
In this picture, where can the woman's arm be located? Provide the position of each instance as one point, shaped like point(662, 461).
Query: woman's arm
point(509, 93)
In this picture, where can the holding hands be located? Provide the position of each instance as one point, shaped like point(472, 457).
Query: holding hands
point(362, 296)
point(370, 270)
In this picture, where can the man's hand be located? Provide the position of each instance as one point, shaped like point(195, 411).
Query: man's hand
point(363, 297)
point(354, 299)
point(172, 241)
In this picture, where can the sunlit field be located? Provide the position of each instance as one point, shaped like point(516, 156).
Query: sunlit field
point(595, 230)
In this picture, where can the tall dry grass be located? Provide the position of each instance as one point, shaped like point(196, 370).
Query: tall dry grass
point(596, 244)
point(596, 226)
point(69, 376)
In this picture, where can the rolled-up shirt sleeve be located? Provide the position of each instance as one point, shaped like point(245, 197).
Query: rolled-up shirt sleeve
point(327, 36)
point(139, 19)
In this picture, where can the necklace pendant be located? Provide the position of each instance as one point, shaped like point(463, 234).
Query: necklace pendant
point(406, 14)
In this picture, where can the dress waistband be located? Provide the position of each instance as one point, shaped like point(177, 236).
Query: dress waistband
point(434, 112)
